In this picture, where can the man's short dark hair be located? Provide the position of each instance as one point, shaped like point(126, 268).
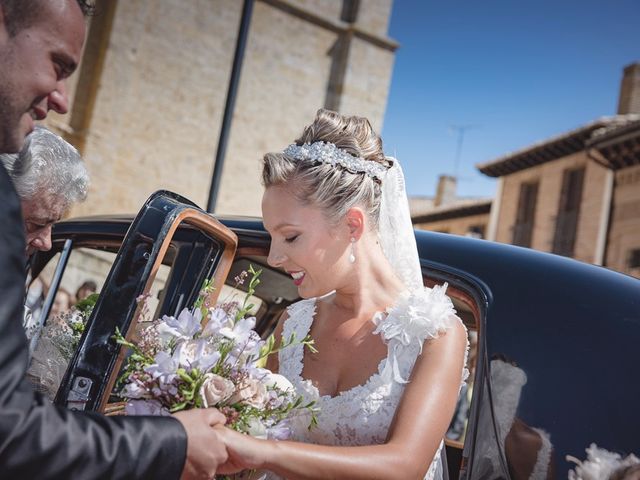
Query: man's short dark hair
point(19, 14)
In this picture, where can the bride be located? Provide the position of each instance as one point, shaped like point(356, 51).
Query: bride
point(390, 352)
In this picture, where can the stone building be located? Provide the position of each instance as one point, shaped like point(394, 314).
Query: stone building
point(148, 101)
point(447, 213)
point(577, 194)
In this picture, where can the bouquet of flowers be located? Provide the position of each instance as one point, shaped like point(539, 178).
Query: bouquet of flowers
point(66, 328)
point(177, 364)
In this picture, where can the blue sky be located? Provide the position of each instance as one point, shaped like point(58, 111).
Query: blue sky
point(515, 72)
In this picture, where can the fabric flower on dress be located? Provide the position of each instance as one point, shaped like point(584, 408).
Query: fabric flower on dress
point(421, 314)
point(600, 463)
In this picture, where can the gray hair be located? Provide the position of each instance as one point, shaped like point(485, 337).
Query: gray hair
point(47, 165)
point(332, 188)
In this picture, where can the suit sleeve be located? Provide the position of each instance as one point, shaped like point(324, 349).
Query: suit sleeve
point(43, 441)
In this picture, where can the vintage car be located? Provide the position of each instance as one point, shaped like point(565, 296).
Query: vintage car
point(553, 340)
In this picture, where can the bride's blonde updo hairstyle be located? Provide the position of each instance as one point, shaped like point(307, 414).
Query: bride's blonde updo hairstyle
point(332, 188)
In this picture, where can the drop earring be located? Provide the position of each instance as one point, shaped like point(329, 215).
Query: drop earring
point(352, 255)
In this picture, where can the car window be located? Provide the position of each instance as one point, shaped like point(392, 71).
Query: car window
point(275, 292)
point(53, 339)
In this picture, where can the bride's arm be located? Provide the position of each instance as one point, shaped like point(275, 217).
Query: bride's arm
point(420, 423)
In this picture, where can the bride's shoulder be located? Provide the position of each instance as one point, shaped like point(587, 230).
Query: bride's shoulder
point(419, 314)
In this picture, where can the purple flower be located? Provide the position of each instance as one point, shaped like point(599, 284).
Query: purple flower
point(146, 407)
point(240, 331)
point(218, 319)
point(196, 354)
point(134, 390)
point(164, 370)
point(183, 327)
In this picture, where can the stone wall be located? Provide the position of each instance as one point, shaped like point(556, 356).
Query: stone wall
point(158, 106)
point(624, 230)
point(457, 226)
point(549, 175)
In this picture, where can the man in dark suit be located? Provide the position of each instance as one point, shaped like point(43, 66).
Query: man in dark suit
point(40, 46)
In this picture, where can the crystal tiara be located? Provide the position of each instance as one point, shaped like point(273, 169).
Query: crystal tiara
point(326, 152)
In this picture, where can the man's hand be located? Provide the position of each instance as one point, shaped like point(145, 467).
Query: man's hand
point(205, 451)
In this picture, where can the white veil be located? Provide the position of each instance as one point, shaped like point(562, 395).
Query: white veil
point(395, 229)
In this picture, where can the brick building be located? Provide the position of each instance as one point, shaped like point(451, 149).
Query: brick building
point(147, 104)
point(577, 194)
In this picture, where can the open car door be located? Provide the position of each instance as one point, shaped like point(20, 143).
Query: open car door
point(168, 230)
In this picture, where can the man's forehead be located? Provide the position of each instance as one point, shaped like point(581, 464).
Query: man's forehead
point(66, 23)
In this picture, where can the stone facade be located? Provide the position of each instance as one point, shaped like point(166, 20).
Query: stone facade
point(471, 225)
point(448, 213)
point(624, 233)
point(549, 178)
point(603, 158)
point(153, 119)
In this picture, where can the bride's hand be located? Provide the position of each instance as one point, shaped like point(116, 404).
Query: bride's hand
point(244, 452)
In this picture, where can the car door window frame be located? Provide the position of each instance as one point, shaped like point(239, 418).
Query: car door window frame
point(93, 369)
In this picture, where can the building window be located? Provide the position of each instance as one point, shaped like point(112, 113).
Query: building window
point(564, 238)
point(634, 259)
point(523, 228)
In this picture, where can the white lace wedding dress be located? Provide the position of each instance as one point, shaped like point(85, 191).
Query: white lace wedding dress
point(363, 414)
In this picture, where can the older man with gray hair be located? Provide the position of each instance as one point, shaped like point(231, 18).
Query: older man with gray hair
point(49, 176)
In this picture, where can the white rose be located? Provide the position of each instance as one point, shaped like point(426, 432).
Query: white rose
point(215, 390)
point(275, 380)
point(257, 429)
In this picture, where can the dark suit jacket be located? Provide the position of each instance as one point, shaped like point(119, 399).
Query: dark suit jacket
point(41, 441)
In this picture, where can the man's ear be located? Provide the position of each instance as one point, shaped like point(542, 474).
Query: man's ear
point(356, 220)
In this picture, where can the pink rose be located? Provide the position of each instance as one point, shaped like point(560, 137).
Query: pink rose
point(250, 392)
point(215, 390)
